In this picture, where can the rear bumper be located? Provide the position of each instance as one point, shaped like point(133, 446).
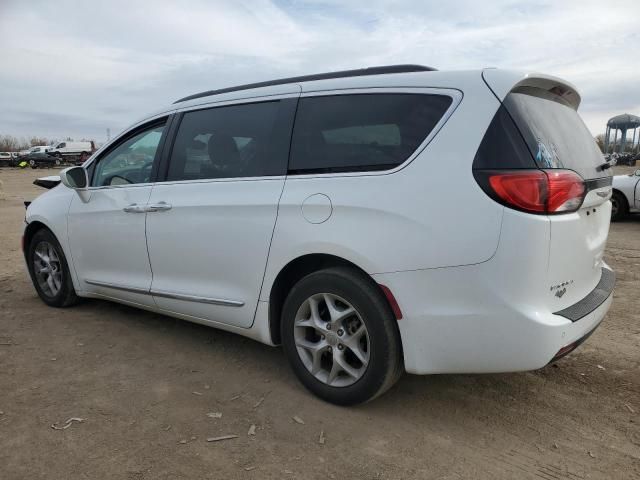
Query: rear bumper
point(455, 321)
point(592, 301)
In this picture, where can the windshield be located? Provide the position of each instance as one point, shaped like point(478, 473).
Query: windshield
point(555, 134)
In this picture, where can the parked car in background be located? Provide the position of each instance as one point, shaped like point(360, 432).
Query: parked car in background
point(73, 152)
point(344, 216)
point(6, 159)
point(38, 156)
point(626, 195)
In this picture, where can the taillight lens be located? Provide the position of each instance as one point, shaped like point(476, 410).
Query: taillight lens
point(565, 191)
point(534, 191)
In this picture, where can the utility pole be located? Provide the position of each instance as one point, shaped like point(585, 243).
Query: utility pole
point(108, 134)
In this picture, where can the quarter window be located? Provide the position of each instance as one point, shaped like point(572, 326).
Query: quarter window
point(228, 142)
point(131, 161)
point(343, 133)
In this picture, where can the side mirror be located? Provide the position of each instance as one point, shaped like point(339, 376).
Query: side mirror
point(75, 178)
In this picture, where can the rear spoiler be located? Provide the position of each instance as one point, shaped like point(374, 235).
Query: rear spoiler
point(47, 182)
point(501, 82)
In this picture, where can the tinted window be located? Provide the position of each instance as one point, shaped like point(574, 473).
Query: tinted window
point(129, 162)
point(556, 135)
point(228, 142)
point(362, 132)
point(503, 146)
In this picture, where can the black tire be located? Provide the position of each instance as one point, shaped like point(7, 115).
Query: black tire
point(66, 296)
point(385, 356)
point(619, 206)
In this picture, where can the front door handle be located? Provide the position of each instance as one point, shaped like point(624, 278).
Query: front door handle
point(158, 207)
point(134, 208)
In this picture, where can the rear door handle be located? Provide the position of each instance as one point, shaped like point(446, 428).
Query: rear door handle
point(158, 207)
point(134, 208)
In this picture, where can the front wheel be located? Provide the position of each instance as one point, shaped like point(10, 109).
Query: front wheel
point(618, 206)
point(340, 336)
point(49, 270)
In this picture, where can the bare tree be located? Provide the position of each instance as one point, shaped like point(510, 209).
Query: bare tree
point(9, 143)
point(33, 141)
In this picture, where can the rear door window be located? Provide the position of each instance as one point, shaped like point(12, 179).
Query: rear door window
point(361, 132)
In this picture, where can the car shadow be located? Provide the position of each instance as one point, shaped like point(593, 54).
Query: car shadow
point(252, 360)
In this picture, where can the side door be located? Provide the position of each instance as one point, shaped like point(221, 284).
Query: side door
point(107, 231)
point(216, 209)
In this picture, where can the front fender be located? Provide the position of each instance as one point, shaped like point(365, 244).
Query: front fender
point(51, 210)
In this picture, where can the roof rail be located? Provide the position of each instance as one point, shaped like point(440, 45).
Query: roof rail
point(318, 76)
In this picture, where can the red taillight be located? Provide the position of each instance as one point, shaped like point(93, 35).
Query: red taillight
point(523, 190)
point(535, 191)
point(565, 192)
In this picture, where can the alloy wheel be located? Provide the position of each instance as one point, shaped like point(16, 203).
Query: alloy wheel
point(47, 268)
point(332, 340)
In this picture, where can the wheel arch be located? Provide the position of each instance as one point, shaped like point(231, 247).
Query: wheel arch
point(300, 267)
point(38, 222)
point(30, 230)
point(624, 198)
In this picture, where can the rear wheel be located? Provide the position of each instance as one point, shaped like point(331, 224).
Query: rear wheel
point(49, 270)
point(619, 207)
point(340, 336)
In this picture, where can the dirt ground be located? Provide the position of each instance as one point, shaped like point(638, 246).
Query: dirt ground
point(144, 383)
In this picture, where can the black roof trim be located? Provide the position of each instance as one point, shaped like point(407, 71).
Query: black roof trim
point(318, 76)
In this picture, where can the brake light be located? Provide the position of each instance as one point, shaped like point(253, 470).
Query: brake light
point(534, 191)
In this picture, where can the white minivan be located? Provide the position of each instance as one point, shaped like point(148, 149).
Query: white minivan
point(371, 221)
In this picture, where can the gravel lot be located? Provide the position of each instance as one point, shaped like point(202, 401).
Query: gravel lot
point(144, 383)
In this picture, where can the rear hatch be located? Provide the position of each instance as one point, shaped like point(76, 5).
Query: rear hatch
point(560, 144)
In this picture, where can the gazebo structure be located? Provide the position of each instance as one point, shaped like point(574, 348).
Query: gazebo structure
point(624, 123)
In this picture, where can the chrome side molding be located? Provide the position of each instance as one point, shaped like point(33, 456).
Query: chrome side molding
point(124, 288)
point(172, 295)
point(194, 298)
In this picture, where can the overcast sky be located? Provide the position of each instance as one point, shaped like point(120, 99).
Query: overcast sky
point(76, 68)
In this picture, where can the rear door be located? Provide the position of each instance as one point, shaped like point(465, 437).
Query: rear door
point(211, 220)
point(558, 139)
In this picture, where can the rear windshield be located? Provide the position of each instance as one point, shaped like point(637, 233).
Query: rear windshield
point(554, 132)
